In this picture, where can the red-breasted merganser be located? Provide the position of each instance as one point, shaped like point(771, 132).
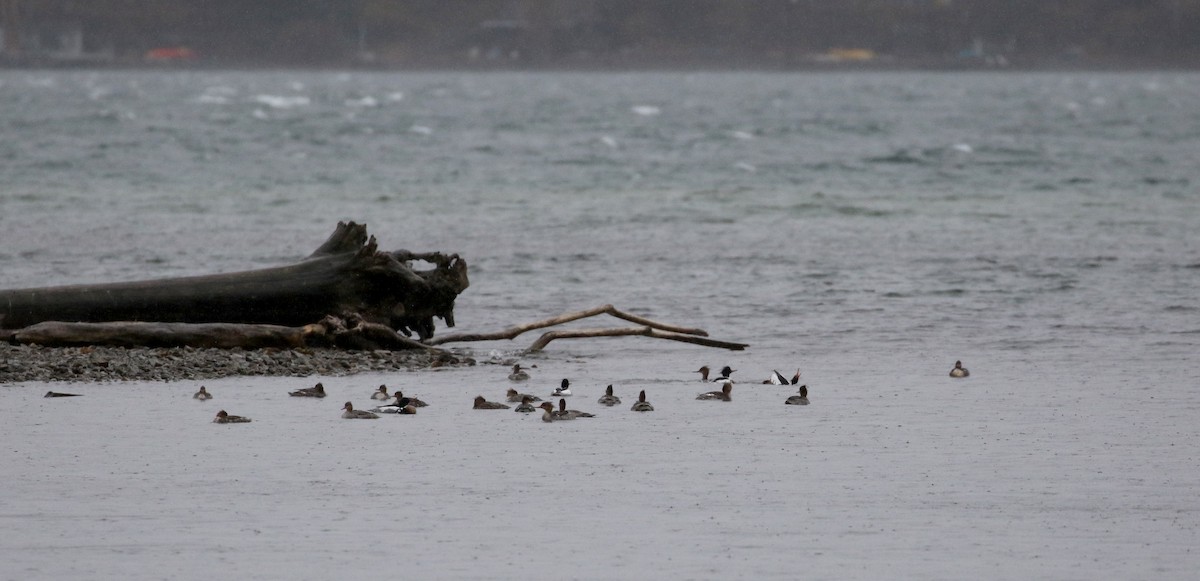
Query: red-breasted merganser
point(800, 399)
point(381, 394)
point(513, 395)
point(566, 414)
point(526, 405)
point(608, 398)
point(353, 414)
point(483, 404)
point(202, 394)
point(959, 370)
point(317, 390)
point(223, 417)
point(722, 395)
point(60, 394)
point(642, 405)
point(777, 378)
point(518, 373)
point(413, 401)
point(564, 389)
point(402, 405)
point(548, 413)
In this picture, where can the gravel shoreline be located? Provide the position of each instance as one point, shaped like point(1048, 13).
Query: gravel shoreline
point(20, 363)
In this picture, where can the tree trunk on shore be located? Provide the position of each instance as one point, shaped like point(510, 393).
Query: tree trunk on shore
point(346, 277)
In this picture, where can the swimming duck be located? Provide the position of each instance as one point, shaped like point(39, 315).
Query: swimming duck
point(564, 389)
point(777, 378)
point(566, 414)
point(402, 405)
point(800, 399)
point(513, 395)
point(223, 417)
point(959, 370)
point(725, 373)
point(642, 405)
point(548, 413)
point(608, 398)
point(202, 394)
point(317, 390)
point(60, 394)
point(413, 401)
point(518, 374)
point(483, 404)
point(526, 405)
point(353, 414)
point(722, 395)
point(381, 394)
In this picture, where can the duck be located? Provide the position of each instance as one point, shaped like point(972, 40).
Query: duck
point(799, 399)
point(513, 395)
point(526, 405)
point(562, 390)
point(202, 395)
point(223, 417)
point(60, 394)
point(518, 374)
point(402, 405)
point(317, 390)
point(608, 398)
point(959, 370)
point(725, 373)
point(413, 401)
point(566, 414)
point(722, 395)
point(483, 404)
point(381, 394)
point(642, 405)
point(353, 414)
point(777, 378)
point(548, 413)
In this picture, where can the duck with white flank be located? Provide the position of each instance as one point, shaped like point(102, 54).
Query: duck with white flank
point(526, 405)
point(413, 401)
point(566, 414)
point(518, 374)
point(352, 414)
point(800, 398)
point(564, 389)
point(202, 395)
point(642, 405)
point(722, 395)
point(483, 404)
point(959, 370)
point(725, 373)
point(777, 378)
point(223, 417)
point(608, 398)
point(317, 390)
point(402, 405)
point(381, 394)
point(513, 395)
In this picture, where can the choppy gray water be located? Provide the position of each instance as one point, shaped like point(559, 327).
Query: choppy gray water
point(1040, 227)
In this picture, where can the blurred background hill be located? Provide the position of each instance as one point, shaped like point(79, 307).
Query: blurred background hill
point(603, 33)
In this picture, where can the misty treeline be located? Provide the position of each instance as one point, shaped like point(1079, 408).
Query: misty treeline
point(548, 31)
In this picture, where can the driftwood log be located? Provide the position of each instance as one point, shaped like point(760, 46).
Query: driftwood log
point(347, 293)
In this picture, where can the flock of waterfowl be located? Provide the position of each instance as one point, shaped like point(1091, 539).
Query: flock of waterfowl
point(399, 404)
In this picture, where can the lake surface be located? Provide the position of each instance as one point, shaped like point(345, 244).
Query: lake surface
point(867, 228)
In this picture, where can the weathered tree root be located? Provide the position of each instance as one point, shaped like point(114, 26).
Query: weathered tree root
point(346, 274)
